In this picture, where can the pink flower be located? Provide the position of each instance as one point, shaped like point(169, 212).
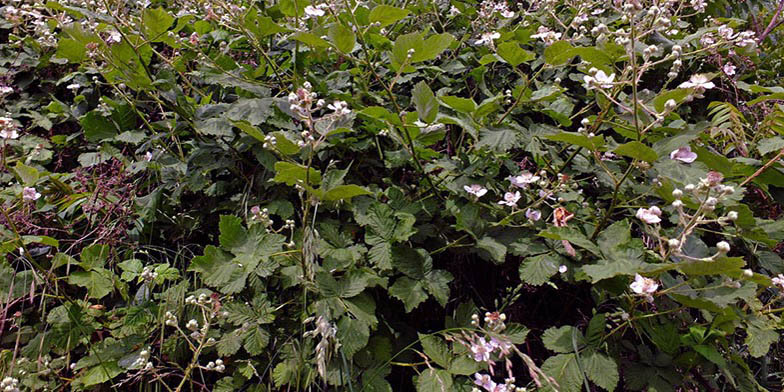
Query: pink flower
point(523, 179)
point(533, 215)
point(476, 190)
point(482, 350)
point(779, 281)
point(30, 194)
point(729, 69)
point(484, 381)
point(684, 154)
point(510, 199)
point(649, 215)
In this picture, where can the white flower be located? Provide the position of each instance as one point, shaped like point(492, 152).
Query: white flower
point(533, 215)
point(643, 286)
point(476, 190)
point(523, 179)
point(114, 37)
point(9, 134)
point(339, 107)
point(723, 246)
point(729, 69)
point(779, 281)
point(649, 215)
point(148, 156)
point(562, 269)
point(487, 38)
point(698, 5)
point(29, 193)
point(683, 154)
point(699, 82)
point(5, 90)
point(510, 199)
point(313, 12)
point(546, 35)
point(599, 79)
point(73, 86)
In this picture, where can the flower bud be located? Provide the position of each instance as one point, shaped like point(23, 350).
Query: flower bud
point(723, 247)
point(677, 193)
point(732, 215)
point(748, 273)
point(673, 243)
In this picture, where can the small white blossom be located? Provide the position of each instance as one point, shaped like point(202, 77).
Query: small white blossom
point(729, 69)
point(599, 79)
point(699, 82)
point(643, 285)
point(522, 180)
point(476, 190)
point(487, 38)
point(314, 12)
point(29, 193)
point(510, 199)
point(683, 154)
point(779, 281)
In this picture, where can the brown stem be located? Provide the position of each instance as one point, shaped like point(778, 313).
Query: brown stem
point(766, 166)
point(773, 23)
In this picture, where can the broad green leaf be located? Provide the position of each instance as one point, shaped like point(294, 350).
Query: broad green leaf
point(310, 39)
point(97, 127)
point(563, 339)
point(722, 265)
point(436, 349)
point(495, 249)
point(513, 54)
point(425, 102)
point(573, 235)
point(387, 14)
point(98, 282)
point(156, 21)
point(294, 174)
point(637, 151)
point(94, 256)
point(769, 145)
point(558, 53)
point(256, 340)
point(434, 380)
point(760, 337)
point(353, 335)
point(462, 105)
point(345, 192)
point(342, 37)
point(409, 291)
point(27, 174)
point(600, 369)
point(592, 143)
point(499, 139)
point(538, 269)
point(566, 372)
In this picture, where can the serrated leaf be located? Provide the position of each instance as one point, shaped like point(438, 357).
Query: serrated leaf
point(256, 340)
point(563, 339)
point(462, 105)
point(436, 349)
point(345, 192)
point(538, 269)
point(353, 335)
point(500, 139)
point(564, 369)
point(495, 249)
point(156, 21)
point(292, 174)
point(434, 380)
point(558, 53)
point(601, 369)
point(409, 291)
point(513, 54)
point(27, 174)
point(722, 265)
point(229, 344)
point(577, 139)
point(97, 282)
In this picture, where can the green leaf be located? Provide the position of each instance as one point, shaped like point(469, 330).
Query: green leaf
point(292, 174)
point(27, 174)
point(760, 337)
point(353, 335)
point(256, 340)
point(637, 151)
point(766, 146)
point(572, 235)
point(156, 21)
point(558, 53)
point(720, 266)
point(97, 282)
point(100, 374)
point(563, 339)
point(495, 249)
point(425, 102)
point(97, 127)
point(94, 256)
point(436, 349)
point(497, 139)
point(538, 269)
point(592, 143)
point(409, 291)
point(343, 38)
point(513, 54)
point(345, 192)
point(595, 330)
point(601, 369)
point(386, 14)
point(310, 39)
point(462, 105)
point(230, 343)
point(566, 372)
point(434, 380)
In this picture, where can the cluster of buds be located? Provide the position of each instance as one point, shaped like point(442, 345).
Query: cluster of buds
point(217, 366)
point(494, 321)
point(10, 384)
point(148, 274)
point(143, 362)
point(269, 141)
point(8, 128)
point(307, 138)
point(260, 215)
point(707, 194)
point(170, 319)
point(301, 102)
point(289, 224)
point(202, 299)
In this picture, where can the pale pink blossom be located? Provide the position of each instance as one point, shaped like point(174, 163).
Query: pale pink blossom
point(533, 215)
point(644, 286)
point(313, 12)
point(484, 381)
point(31, 194)
point(729, 69)
point(522, 180)
point(476, 190)
point(699, 82)
point(649, 215)
point(683, 154)
point(779, 281)
point(510, 199)
point(487, 38)
point(482, 350)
